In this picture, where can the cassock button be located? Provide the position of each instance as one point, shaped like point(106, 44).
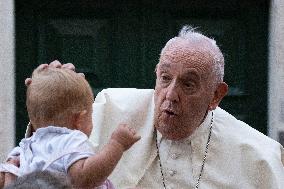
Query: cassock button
point(172, 172)
point(174, 156)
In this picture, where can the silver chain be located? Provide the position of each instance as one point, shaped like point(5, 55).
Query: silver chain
point(203, 161)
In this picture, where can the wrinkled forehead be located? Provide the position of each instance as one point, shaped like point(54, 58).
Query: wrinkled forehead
point(179, 50)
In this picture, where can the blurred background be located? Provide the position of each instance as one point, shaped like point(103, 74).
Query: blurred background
point(117, 44)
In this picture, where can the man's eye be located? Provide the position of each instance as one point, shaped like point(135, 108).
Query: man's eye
point(189, 85)
point(165, 78)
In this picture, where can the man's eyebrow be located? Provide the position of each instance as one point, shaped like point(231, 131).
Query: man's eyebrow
point(190, 74)
point(164, 66)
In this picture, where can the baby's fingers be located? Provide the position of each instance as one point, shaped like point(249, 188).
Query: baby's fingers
point(136, 137)
point(132, 130)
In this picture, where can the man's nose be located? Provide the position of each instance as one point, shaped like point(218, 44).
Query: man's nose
point(172, 92)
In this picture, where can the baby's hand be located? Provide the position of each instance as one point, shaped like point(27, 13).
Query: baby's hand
point(125, 136)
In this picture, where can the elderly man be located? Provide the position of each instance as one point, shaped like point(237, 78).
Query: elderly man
point(187, 140)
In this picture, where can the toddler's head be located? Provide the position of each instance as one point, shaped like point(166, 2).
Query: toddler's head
point(60, 97)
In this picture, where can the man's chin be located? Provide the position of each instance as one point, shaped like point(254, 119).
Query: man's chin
point(167, 131)
point(172, 131)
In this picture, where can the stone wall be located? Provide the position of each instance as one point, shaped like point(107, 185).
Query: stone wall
point(276, 71)
point(7, 78)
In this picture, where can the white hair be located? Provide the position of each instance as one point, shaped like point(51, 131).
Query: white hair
point(188, 33)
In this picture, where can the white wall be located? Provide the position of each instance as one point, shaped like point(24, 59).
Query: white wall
point(276, 69)
point(7, 78)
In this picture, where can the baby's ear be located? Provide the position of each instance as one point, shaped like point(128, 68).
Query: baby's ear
point(78, 118)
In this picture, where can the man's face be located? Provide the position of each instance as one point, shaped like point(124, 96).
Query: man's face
point(183, 91)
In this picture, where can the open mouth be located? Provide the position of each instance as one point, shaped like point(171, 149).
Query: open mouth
point(170, 113)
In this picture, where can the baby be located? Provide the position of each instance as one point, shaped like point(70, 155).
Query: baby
point(59, 104)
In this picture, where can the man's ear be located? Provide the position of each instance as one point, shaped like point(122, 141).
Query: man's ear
point(220, 92)
point(77, 119)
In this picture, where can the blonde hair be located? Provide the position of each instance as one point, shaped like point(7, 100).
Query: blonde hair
point(55, 94)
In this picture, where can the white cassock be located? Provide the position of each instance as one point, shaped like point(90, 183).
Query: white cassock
point(238, 157)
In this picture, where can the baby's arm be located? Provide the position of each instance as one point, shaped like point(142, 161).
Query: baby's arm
point(9, 178)
point(5, 177)
point(93, 171)
point(2, 179)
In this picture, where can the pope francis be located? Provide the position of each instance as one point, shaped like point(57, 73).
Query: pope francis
point(187, 140)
